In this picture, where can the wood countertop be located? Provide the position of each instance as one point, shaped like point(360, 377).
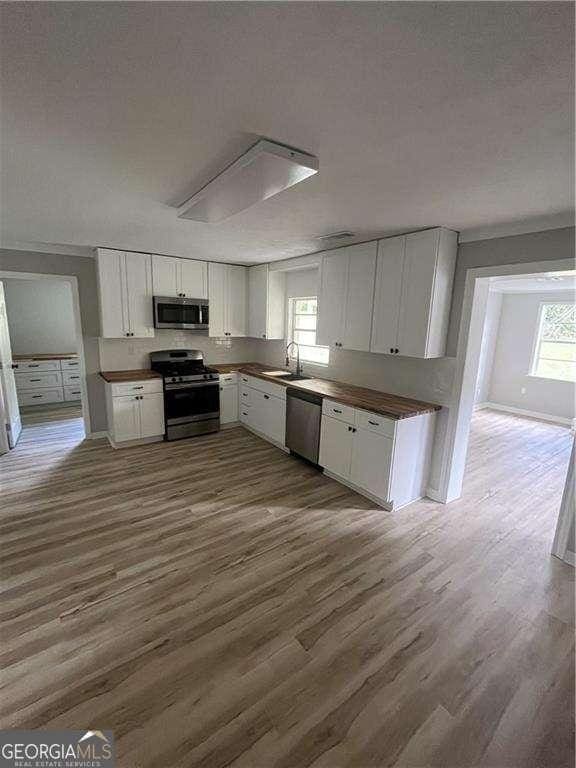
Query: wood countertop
point(393, 406)
point(61, 356)
point(115, 377)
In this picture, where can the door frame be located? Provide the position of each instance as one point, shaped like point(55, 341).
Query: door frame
point(454, 442)
point(562, 546)
point(72, 281)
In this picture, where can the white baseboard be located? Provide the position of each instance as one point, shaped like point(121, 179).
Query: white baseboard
point(96, 435)
point(530, 414)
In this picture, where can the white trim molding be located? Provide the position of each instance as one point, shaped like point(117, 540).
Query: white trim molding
point(562, 547)
point(524, 412)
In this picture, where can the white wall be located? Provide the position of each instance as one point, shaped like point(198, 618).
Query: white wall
point(40, 316)
point(511, 383)
point(489, 336)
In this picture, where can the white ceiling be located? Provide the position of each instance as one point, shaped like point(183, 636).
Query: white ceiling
point(541, 283)
point(422, 114)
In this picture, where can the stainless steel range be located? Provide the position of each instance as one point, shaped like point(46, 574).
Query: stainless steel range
point(191, 393)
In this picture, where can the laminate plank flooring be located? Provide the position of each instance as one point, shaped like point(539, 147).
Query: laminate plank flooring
point(216, 602)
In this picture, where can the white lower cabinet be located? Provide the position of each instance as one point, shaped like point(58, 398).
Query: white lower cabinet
point(386, 459)
point(135, 411)
point(262, 407)
point(40, 382)
point(228, 398)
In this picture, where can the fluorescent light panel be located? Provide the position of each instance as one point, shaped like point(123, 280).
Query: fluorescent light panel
point(263, 171)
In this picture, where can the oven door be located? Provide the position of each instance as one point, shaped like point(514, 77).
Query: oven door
point(194, 401)
point(179, 313)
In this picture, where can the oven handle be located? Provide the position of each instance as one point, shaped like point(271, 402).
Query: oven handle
point(191, 385)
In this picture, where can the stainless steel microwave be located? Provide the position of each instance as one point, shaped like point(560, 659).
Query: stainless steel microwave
point(176, 312)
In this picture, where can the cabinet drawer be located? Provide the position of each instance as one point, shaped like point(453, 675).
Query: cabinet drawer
point(146, 387)
point(38, 380)
point(228, 379)
point(245, 415)
point(375, 423)
point(71, 378)
point(72, 393)
point(69, 365)
point(268, 387)
point(245, 396)
point(41, 396)
point(37, 365)
point(338, 411)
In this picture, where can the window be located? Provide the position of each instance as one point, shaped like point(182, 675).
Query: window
point(555, 348)
point(302, 330)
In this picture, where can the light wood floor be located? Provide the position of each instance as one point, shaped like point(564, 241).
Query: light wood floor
point(217, 603)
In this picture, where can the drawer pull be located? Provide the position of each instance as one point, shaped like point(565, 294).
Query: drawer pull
point(244, 413)
point(76, 377)
point(244, 394)
point(34, 397)
point(374, 423)
point(33, 365)
point(35, 379)
point(336, 410)
point(266, 397)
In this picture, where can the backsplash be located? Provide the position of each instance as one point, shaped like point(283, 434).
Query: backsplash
point(421, 379)
point(128, 354)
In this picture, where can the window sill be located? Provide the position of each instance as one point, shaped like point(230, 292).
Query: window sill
point(549, 378)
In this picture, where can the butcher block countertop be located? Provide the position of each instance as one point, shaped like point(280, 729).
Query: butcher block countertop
point(61, 356)
point(393, 406)
point(117, 377)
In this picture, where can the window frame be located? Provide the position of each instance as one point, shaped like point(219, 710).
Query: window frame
point(537, 342)
point(290, 332)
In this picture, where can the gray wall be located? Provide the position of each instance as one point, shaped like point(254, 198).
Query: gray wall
point(510, 382)
point(488, 348)
point(537, 246)
point(85, 271)
point(40, 316)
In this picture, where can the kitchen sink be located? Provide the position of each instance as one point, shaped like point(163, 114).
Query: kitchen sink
point(293, 377)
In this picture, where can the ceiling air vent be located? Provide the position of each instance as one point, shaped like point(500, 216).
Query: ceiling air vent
point(336, 236)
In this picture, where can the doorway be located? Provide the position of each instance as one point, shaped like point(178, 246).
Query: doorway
point(513, 397)
point(42, 378)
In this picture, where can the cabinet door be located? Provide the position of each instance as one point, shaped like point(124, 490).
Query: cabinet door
point(236, 295)
point(387, 295)
point(372, 462)
point(335, 446)
point(217, 278)
point(332, 298)
point(111, 267)
point(126, 418)
point(273, 417)
point(257, 301)
point(164, 276)
point(359, 296)
point(228, 404)
point(418, 288)
point(139, 294)
point(152, 415)
point(193, 278)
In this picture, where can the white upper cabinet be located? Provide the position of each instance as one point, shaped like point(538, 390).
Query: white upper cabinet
point(193, 279)
point(266, 303)
point(179, 277)
point(227, 286)
point(413, 291)
point(346, 297)
point(388, 294)
point(125, 294)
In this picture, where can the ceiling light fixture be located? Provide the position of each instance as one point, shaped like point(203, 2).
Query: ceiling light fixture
point(264, 170)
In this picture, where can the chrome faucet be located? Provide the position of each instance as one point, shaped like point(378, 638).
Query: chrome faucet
point(298, 366)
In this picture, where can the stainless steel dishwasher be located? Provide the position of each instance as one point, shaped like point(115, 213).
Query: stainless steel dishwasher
point(303, 416)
